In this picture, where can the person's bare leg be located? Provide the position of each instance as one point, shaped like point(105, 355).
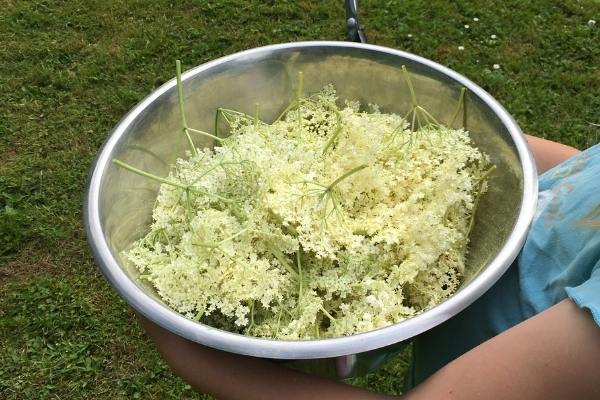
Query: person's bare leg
point(548, 154)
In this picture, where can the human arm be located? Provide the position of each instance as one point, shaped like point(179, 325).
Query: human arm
point(547, 153)
point(553, 355)
point(231, 376)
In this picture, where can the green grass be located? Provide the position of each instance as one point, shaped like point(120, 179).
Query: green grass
point(70, 70)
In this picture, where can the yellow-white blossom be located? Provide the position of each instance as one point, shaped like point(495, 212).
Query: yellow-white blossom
point(328, 222)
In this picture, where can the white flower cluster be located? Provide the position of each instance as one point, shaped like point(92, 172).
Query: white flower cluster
point(328, 222)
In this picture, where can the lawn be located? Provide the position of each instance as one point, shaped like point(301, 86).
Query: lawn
point(69, 70)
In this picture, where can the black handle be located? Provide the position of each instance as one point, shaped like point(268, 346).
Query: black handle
point(355, 32)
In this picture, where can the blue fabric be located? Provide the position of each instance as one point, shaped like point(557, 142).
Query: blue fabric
point(560, 259)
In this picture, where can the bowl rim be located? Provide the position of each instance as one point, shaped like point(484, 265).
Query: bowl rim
point(315, 348)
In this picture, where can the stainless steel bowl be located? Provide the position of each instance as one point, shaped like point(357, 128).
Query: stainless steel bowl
point(119, 204)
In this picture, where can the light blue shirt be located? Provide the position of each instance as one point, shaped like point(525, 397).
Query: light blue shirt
point(560, 259)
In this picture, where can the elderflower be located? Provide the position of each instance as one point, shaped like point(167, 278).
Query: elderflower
point(329, 221)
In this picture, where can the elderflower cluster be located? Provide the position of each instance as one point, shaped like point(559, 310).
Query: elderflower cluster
point(328, 222)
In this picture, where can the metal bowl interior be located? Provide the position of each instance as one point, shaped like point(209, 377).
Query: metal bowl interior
point(119, 204)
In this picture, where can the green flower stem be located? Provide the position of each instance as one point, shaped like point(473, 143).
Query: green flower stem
point(256, 114)
point(168, 240)
point(287, 312)
point(461, 100)
point(299, 262)
point(329, 196)
point(482, 180)
point(285, 111)
point(166, 181)
point(338, 128)
point(298, 98)
point(218, 165)
point(278, 323)
point(346, 175)
point(411, 89)
point(281, 258)
point(296, 101)
point(416, 110)
point(218, 139)
point(430, 118)
point(327, 193)
point(227, 239)
point(147, 174)
point(327, 314)
point(199, 314)
point(414, 115)
point(188, 204)
point(181, 108)
point(217, 122)
point(251, 318)
point(226, 113)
